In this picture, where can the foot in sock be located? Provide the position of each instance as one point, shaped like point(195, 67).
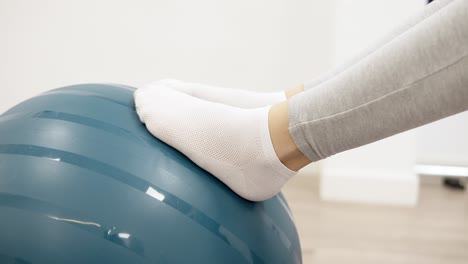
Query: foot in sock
point(231, 143)
point(232, 97)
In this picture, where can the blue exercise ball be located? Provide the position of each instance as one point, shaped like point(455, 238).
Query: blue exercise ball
point(83, 181)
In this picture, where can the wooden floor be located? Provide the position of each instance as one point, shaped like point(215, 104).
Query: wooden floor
point(436, 231)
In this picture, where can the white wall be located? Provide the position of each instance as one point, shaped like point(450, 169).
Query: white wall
point(263, 45)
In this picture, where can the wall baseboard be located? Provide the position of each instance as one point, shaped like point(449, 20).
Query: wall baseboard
point(369, 186)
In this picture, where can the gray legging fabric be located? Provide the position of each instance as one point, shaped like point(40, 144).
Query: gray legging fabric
point(416, 75)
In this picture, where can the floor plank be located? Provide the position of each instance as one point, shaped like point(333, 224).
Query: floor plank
point(436, 231)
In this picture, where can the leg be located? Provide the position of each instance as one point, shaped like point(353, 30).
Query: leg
point(249, 99)
point(417, 78)
point(233, 97)
point(394, 88)
point(397, 31)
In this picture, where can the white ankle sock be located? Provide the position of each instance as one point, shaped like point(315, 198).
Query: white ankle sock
point(231, 143)
point(233, 97)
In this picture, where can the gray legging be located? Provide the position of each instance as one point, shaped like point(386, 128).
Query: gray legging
point(418, 74)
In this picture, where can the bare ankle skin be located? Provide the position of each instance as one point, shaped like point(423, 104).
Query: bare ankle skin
point(293, 91)
point(283, 143)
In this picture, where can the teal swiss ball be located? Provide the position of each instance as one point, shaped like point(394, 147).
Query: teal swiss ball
point(83, 181)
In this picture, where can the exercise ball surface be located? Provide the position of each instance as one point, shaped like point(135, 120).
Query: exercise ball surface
point(83, 181)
